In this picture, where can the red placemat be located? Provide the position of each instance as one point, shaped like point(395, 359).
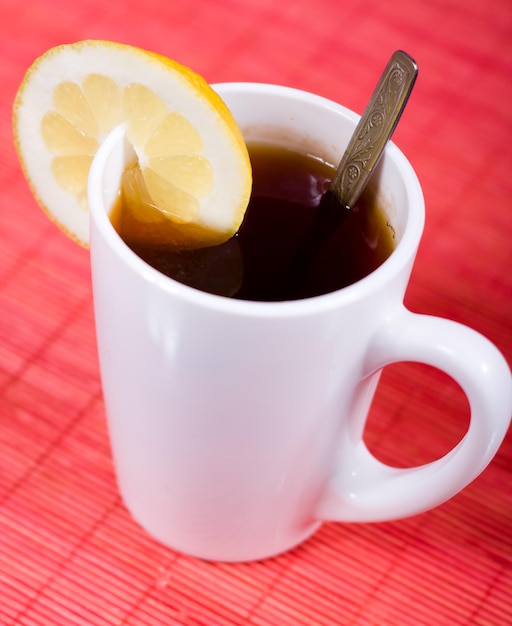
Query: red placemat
point(69, 551)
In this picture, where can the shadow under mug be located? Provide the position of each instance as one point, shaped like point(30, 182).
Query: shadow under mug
point(237, 427)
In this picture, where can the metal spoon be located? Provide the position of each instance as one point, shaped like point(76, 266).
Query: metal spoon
point(375, 128)
point(362, 155)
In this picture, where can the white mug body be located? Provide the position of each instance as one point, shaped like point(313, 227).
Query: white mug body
point(236, 427)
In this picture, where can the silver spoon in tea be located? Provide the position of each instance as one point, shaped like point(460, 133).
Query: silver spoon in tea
point(360, 159)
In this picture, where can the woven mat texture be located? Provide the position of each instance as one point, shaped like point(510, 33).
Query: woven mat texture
point(69, 551)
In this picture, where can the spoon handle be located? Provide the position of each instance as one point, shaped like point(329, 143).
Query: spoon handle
point(375, 128)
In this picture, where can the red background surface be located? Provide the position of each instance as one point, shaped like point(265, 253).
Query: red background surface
point(69, 551)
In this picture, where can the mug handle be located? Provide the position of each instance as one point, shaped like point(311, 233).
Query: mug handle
point(365, 490)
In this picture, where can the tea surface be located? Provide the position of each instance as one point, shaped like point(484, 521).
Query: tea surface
point(258, 262)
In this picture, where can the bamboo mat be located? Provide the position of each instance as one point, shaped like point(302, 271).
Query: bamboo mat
point(69, 552)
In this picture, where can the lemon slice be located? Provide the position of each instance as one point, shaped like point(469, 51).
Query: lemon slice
point(193, 171)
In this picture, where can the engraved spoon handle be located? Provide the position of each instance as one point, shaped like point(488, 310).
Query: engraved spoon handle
point(375, 128)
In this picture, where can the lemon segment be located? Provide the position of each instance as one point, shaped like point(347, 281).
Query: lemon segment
point(174, 135)
point(193, 171)
point(62, 137)
point(71, 172)
point(143, 110)
point(69, 100)
point(169, 199)
point(104, 98)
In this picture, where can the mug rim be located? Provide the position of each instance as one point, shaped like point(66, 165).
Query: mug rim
point(399, 258)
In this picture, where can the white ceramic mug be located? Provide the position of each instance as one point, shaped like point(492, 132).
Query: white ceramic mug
point(236, 426)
